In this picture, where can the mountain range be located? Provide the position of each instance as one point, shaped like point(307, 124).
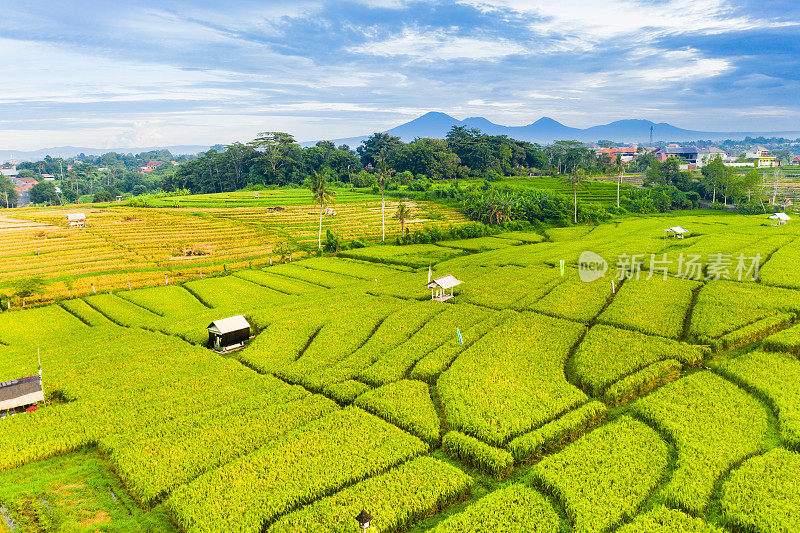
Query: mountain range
point(546, 130)
point(435, 124)
point(72, 151)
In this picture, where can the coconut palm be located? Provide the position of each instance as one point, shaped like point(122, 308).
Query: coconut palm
point(322, 195)
point(574, 179)
point(382, 175)
point(402, 214)
point(619, 166)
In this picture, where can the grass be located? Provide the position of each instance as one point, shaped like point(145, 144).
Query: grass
point(76, 493)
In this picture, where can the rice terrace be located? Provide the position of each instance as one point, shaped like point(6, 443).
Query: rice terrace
point(530, 401)
point(400, 266)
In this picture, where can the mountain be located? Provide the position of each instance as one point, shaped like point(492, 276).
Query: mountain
point(546, 130)
point(72, 151)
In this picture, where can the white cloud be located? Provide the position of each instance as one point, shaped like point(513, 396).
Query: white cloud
point(440, 45)
point(594, 21)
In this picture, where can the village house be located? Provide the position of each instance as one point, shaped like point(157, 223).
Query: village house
point(626, 154)
point(23, 195)
point(763, 157)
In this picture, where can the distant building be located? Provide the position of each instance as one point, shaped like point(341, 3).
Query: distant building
point(708, 154)
point(685, 154)
point(9, 171)
point(796, 160)
point(763, 157)
point(48, 177)
point(23, 195)
point(626, 154)
point(22, 182)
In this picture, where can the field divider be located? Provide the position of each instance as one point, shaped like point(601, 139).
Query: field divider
point(672, 464)
point(714, 507)
point(197, 296)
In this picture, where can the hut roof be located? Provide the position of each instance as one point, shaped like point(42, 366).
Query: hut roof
point(228, 325)
point(445, 282)
point(18, 388)
point(75, 216)
point(677, 229)
point(780, 216)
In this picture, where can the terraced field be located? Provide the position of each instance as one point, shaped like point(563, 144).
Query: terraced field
point(532, 401)
point(148, 246)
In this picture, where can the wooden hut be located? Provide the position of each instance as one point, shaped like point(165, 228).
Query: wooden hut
point(20, 392)
point(677, 231)
point(439, 287)
point(778, 219)
point(228, 333)
point(76, 220)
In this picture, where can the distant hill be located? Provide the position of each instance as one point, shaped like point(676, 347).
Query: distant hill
point(546, 130)
point(72, 151)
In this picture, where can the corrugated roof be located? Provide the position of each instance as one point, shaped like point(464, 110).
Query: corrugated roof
point(445, 282)
point(227, 325)
point(677, 229)
point(20, 387)
point(780, 216)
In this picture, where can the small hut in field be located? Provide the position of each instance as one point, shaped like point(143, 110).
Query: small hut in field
point(439, 287)
point(76, 220)
point(677, 232)
point(779, 219)
point(21, 392)
point(228, 334)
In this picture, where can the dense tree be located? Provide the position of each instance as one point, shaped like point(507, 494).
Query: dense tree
point(378, 146)
point(44, 193)
point(8, 196)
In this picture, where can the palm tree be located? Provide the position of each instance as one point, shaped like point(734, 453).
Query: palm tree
point(575, 178)
point(403, 213)
point(322, 195)
point(382, 181)
point(619, 166)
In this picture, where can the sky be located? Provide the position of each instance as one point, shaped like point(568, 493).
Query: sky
point(133, 73)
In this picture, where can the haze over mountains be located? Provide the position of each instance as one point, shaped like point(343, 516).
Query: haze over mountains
point(546, 130)
point(435, 124)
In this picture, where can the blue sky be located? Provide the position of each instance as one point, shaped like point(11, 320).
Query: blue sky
point(138, 73)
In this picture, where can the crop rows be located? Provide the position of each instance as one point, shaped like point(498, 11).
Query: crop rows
point(341, 448)
point(397, 498)
point(599, 482)
point(713, 424)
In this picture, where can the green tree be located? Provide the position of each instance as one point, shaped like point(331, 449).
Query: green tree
point(378, 146)
point(751, 181)
point(70, 196)
point(575, 179)
point(103, 196)
point(713, 176)
point(402, 214)
point(8, 195)
point(274, 147)
point(383, 175)
point(30, 286)
point(619, 168)
point(44, 192)
point(322, 195)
